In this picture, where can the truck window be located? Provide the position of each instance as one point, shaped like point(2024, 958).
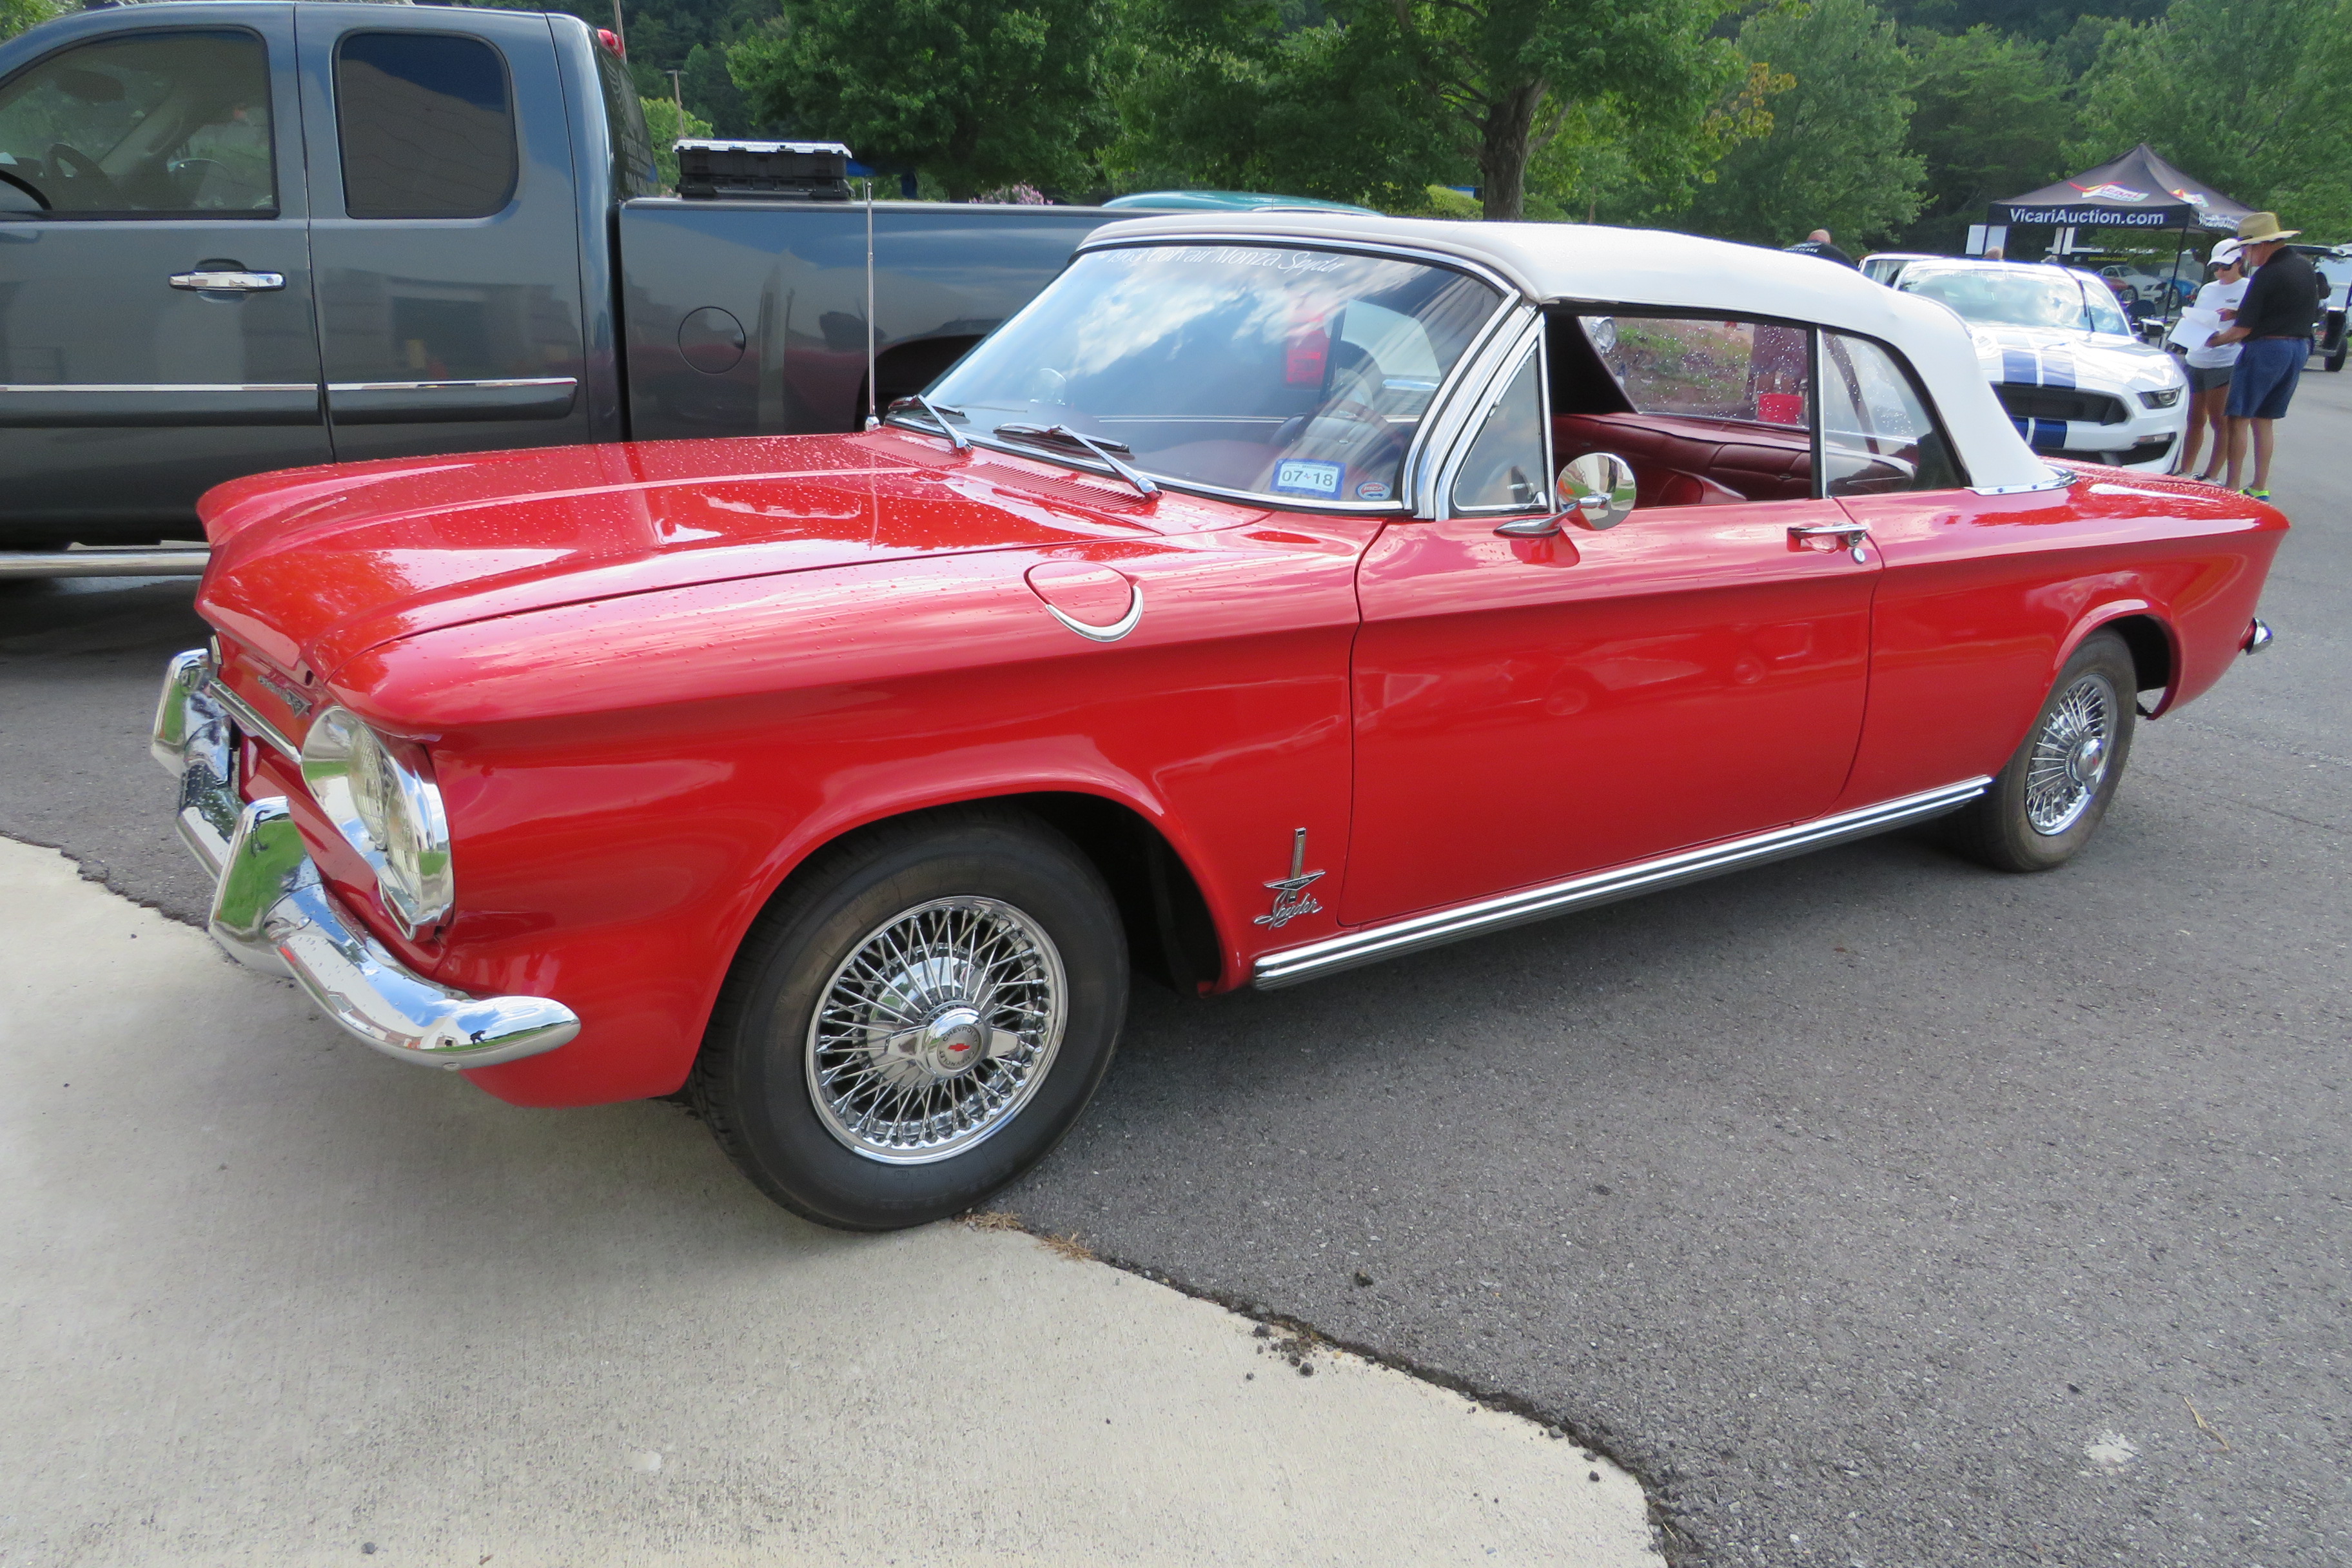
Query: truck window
point(151, 125)
point(427, 123)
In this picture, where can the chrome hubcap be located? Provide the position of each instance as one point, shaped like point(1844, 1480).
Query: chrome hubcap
point(2070, 755)
point(935, 1030)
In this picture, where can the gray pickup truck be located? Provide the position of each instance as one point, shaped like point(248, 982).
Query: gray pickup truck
point(243, 235)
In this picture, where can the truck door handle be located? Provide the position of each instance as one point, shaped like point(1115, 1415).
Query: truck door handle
point(230, 282)
point(1844, 536)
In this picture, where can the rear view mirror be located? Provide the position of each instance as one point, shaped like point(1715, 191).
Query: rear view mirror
point(90, 87)
point(1596, 491)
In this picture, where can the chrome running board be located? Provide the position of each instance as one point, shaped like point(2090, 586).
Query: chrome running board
point(1415, 932)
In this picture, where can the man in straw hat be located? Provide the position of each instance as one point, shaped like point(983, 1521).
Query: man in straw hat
point(2274, 321)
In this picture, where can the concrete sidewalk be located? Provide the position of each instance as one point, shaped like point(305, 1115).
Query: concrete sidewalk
point(271, 1298)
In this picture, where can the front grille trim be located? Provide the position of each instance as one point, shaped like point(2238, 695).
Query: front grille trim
point(2024, 401)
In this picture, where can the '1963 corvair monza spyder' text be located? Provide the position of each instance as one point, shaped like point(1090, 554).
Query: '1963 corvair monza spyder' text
point(1273, 595)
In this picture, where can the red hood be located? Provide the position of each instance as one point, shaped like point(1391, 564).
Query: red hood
point(314, 565)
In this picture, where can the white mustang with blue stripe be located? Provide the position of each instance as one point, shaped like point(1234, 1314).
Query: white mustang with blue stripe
point(2063, 359)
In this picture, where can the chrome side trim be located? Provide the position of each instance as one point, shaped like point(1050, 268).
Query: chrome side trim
point(271, 910)
point(563, 381)
point(1111, 633)
point(241, 713)
point(105, 562)
point(1415, 932)
point(79, 386)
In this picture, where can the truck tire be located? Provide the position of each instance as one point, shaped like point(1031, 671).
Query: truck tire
point(2051, 797)
point(917, 1019)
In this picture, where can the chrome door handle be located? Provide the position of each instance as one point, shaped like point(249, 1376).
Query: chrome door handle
point(230, 282)
point(1845, 536)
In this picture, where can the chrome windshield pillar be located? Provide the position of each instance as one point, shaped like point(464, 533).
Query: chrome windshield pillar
point(272, 910)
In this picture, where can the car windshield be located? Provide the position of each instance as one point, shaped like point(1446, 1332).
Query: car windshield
point(1300, 374)
point(2006, 297)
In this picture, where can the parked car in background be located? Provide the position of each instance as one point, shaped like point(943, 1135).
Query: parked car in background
point(2063, 361)
point(259, 235)
point(2333, 264)
point(1885, 266)
point(1274, 594)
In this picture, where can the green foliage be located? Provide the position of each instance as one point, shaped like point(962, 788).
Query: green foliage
point(16, 15)
point(1509, 78)
point(2250, 96)
point(1380, 98)
point(1242, 97)
point(1993, 119)
point(668, 128)
point(1836, 157)
point(978, 93)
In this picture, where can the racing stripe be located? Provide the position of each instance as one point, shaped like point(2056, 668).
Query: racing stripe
point(2020, 366)
point(2057, 367)
point(2049, 436)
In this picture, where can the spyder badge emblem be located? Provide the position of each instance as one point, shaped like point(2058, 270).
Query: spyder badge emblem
point(1291, 898)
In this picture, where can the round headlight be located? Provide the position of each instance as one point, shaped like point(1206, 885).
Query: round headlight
point(386, 810)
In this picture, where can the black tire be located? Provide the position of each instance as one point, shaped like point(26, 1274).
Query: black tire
point(2335, 358)
point(755, 1082)
point(1999, 828)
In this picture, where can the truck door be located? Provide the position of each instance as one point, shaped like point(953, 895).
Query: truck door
point(156, 334)
point(445, 233)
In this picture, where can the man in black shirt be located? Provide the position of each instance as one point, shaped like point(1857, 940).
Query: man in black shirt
point(2274, 321)
point(1818, 243)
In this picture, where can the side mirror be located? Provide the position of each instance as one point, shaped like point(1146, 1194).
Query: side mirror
point(1596, 491)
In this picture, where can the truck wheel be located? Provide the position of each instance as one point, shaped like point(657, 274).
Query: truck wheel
point(2050, 799)
point(917, 1020)
point(2335, 357)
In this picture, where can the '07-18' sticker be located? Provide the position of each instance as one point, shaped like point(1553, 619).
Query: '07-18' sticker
point(1298, 477)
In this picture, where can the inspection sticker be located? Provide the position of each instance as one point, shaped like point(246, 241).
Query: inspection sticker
point(1296, 477)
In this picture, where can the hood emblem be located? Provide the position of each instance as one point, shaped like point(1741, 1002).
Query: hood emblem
point(286, 692)
point(1291, 898)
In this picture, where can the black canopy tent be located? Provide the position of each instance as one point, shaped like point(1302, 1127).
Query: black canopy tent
point(2139, 190)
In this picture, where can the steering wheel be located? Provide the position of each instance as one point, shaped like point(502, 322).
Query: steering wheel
point(83, 167)
point(27, 187)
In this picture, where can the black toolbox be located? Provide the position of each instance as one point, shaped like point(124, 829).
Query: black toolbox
point(763, 171)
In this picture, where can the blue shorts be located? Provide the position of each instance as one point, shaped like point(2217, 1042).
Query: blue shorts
point(2267, 370)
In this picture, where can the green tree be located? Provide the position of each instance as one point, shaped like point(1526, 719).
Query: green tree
point(1993, 119)
point(975, 93)
point(1259, 96)
point(16, 15)
point(1834, 158)
point(2250, 96)
point(1507, 77)
point(668, 128)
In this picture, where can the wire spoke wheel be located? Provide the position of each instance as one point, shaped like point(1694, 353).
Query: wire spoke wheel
point(935, 1030)
point(2071, 754)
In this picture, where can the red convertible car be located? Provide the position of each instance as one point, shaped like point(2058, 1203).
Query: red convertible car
point(1274, 593)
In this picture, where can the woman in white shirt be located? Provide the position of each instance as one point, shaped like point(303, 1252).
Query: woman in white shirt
point(2210, 367)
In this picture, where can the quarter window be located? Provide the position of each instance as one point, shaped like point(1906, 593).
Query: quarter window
point(427, 126)
point(1505, 468)
point(1877, 435)
point(154, 125)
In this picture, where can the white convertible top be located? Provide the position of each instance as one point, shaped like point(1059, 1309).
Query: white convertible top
point(1553, 262)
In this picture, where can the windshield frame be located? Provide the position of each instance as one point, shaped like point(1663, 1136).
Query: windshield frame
point(1509, 298)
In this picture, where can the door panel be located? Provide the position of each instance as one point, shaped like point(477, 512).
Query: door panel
point(446, 240)
point(127, 386)
point(1531, 709)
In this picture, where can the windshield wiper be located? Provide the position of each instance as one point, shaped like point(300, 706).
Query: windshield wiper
point(939, 414)
point(1063, 435)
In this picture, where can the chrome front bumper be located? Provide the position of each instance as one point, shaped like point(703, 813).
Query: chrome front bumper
point(272, 910)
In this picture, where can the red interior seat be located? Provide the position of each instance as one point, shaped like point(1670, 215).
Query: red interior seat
point(1679, 461)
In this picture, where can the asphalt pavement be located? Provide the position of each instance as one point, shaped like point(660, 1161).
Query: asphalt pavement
point(1872, 1207)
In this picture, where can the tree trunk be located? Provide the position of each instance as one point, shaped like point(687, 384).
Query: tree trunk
point(1504, 149)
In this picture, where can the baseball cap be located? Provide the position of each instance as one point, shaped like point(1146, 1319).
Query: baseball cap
point(2226, 252)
